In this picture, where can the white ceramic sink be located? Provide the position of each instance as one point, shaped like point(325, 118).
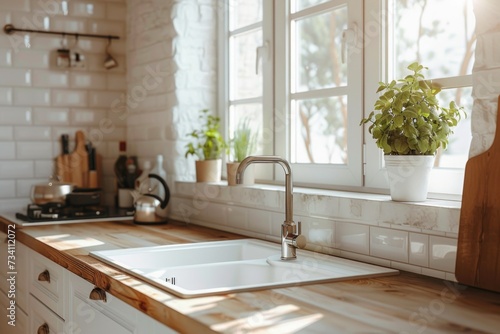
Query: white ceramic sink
point(209, 268)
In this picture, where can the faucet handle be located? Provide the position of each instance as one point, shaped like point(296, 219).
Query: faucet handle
point(299, 240)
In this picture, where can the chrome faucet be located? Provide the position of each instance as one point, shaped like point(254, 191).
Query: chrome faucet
point(291, 237)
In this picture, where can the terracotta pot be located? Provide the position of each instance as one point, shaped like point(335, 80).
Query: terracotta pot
point(248, 177)
point(408, 176)
point(208, 170)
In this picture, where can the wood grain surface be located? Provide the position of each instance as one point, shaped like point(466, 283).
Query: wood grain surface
point(407, 303)
point(478, 247)
point(78, 161)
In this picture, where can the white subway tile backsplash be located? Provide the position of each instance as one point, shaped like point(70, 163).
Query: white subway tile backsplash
point(434, 273)
point(85, 116)
point(5, 96)
point(116, 11)
point(7, 150)
point(443, 253)
point(353, 237)
point(68, 24)
point(7, 188)
point(34, 150)
point(116, 82)
point(88, 80)
point(31, 97)
point(259, 221)
point(6, 132)
point(15, 77)
point(5, 57)
point(69, 98)
point(18, 5)
point(15, 116)
point(16, 169)
point(389, 244)
point(46, 78)
point(92, 9)
point(419, 249)
point(406, 267)
point(104, 99)
point(44, 169)
point(51, 116)
point(29, 58)
point(23, 186)
point(29, 133)
point(107, 27)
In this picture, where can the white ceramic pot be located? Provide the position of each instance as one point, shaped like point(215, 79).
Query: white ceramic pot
point(408, 176)
point(248, 176)
point(208, 170)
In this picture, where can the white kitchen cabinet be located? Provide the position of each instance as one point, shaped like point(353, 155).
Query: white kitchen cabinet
point(105, 314)
point(42, 319)
point(13, 284)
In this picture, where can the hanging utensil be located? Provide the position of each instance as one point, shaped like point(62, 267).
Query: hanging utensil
point(109, 62)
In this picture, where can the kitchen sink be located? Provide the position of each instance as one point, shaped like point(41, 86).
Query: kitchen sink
point(220, 267)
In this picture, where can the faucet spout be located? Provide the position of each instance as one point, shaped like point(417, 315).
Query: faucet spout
point(291, 237)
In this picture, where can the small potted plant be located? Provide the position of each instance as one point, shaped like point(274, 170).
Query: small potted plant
point(242, 145)
point(409, 126)
point(208, 146)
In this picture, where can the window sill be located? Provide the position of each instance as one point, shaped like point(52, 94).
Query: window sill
point(433, 216)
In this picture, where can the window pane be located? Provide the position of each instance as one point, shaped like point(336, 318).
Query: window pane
point(456, 155)
point(301, 4)
point(251, 113)
point(439, 34)
point(244, 13)
point(319, 131)
point(317, 51)
point(244, 82)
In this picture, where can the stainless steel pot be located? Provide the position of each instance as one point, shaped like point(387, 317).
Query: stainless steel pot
point(50, 192)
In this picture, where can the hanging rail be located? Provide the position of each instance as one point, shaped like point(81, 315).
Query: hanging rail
point(10, 29)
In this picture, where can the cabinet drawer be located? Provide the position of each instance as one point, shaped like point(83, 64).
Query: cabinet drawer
point(47, 281)
point(19, 289)
point(98, 316)
point(42, 319)
point(18, 315)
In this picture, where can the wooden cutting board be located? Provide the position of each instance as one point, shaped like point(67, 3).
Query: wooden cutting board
point(79, 163)
point(478, 252)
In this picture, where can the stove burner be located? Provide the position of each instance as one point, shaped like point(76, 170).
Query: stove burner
point(57, 211)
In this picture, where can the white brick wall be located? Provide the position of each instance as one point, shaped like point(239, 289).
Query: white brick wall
point(172, 59)
point(39, 103)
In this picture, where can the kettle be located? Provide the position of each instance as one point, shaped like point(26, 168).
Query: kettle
point(147, 206)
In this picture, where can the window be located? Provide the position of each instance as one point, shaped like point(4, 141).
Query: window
point(306, 71)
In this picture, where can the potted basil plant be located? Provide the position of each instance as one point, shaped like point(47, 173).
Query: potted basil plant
point(409, 125)
point(208, 146)
point(242, 145)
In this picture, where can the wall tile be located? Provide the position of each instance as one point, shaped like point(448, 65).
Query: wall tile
point(103, 99)
point(434, 273)
point(31, 59)
point(16, 169)
point(34, 150)
point(68, 24)
point(419, 249)
point(116, 11)
point(352, 237)
point(69, 98)
point(45, 78)
point(6, 132)
point(23, 187)
point(24, 133)
point(15, 116)
point(18, 5)
point(15, 77)
point(8, 150)
point(51, 116)
point(443, 253)
point(44, 169)
point(88, 80)
point(107, 27)
point(92, 9)
point(5, 96)
point(389, 244)
point(116, 82)
point(319, 232)
point(7, 188)
point(31, 97)
point(5, 57)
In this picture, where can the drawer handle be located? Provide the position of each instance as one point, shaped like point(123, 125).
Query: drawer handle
point(44, 276)
point(43, 329)
point(98, 294)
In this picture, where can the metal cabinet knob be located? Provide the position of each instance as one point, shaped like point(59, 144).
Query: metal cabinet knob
point(43, 329)
point(98, 294)
point(44, 276)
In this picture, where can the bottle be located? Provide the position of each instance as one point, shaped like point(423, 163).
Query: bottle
point(120, 169)
point(142, 184)
point(158, 170)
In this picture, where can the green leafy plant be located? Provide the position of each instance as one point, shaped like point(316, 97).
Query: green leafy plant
point(408, 120)
point(209, 143)
point(244, 140)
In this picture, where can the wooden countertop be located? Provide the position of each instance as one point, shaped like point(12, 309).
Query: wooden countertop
point(406, 303)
